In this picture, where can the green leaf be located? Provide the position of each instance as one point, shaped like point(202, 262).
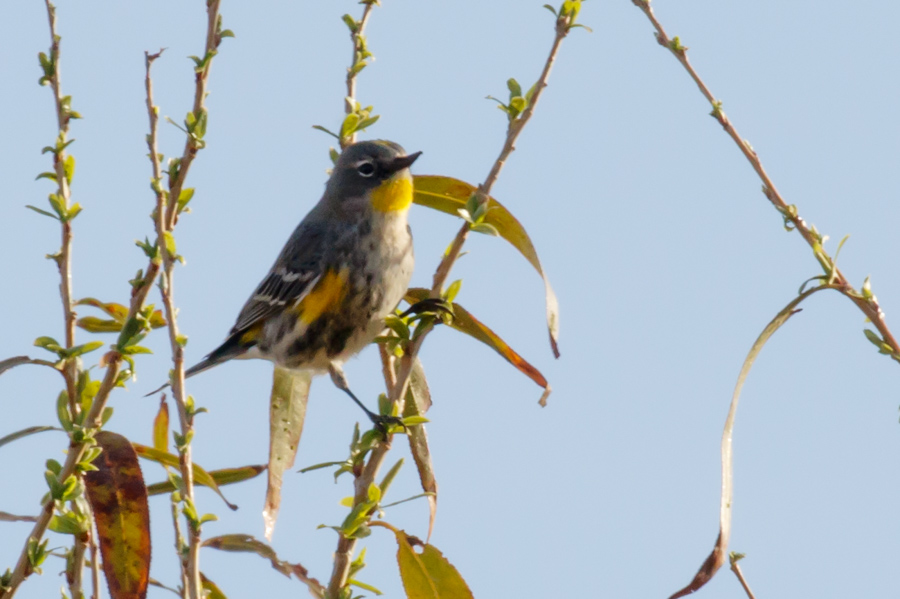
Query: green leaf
point(225, 476)
point(98, 325)
point(287, 411)
point(184, 198)
point(332, 134)
point(119, 501)
point(514, 88)
point(363, 124)
point(449, 195)
point(80, 350)
point(44, 212)
point(466, 323)
point(50, 344)
point(201, 476)
point(349, 125)
point(69, 167)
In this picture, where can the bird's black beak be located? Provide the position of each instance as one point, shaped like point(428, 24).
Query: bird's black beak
point(401, 162)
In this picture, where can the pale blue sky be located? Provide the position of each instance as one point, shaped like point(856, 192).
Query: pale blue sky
point(666, 258)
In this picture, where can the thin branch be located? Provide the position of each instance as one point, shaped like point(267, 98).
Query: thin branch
point(357, 38)
point(563, 26)
point(165, 223)
point(75, 569)
point(866, 302)
point(64, 261)
point(399, 385)
point(735, 558)
point(113, 359)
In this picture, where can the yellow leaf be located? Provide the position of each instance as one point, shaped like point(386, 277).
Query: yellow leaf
point(449, 195)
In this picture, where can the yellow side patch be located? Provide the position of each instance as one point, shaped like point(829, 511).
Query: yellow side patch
point(326, 296)
point(251, 334)
point(393, 195)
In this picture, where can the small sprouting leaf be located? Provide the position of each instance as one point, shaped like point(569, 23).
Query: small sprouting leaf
point(351, 23)
point(69, 166)
point(44, 212)
point(452, 290)
point(184, 198)
point(363, 124)
point(50, 344)
point(514, 88)
point(332, 134)
point(161, 426)
point(551, 9)
point(349, 125)
point(80, 350)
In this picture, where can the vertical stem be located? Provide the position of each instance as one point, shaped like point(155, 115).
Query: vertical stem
point(356, 38)
point(398, 385)
point(166, 217)
point(75, 571)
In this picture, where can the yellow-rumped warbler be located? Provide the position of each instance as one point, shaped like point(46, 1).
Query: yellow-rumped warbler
point(345, 267)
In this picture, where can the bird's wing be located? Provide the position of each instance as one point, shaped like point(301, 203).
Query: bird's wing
point(295, 273)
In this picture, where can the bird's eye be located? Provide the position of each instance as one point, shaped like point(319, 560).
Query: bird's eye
point(366, 169)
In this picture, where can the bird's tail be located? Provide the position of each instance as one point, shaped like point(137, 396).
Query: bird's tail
point(232, 348)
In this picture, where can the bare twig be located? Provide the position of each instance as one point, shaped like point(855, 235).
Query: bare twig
point(735, 558)
point(563, 25)
point(865, 301)
point(399, 384)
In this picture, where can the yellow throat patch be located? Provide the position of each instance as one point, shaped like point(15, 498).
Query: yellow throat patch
point(393, 195)
point(326, 296)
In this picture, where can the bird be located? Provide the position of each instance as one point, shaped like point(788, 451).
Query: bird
point(342, 271)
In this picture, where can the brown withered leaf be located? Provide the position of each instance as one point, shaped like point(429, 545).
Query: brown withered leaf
point(464, 322)
point(118, 499)
point(418, 400)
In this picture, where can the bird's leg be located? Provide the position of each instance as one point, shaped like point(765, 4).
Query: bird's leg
point(432, 305)
point(381, 421)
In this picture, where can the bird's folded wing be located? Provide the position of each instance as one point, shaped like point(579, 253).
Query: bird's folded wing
point(281, 288)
